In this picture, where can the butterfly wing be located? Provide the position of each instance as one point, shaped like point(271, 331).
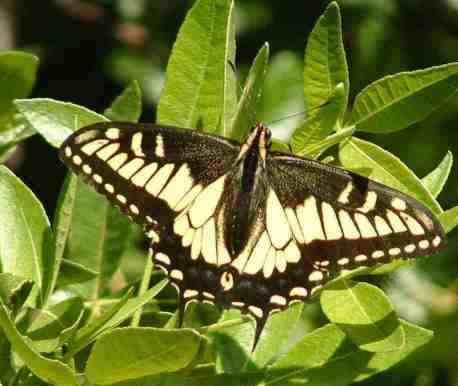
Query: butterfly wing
point(170, 181)
point(319, 220)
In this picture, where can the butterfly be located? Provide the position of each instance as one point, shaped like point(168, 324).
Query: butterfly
point(239, 225)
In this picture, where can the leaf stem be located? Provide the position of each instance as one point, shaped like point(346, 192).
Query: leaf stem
point(149, 267)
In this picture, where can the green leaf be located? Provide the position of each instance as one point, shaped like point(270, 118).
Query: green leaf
point(6, 152)
point(14, 130)
point(364, 313)
point(320, 124)
point(61, 228)
point(449, 219)
point(46, 327)
point(326, 357)
point(234, 344)
point(88, 333)
point(55, 120)
point(278, 145)
point(28, 253)
point(245, 116)
point(325, 61)
point(200, 90)
point(397, 101)
point(18, 72)
point(49, 370)
point(317, 149)
point(127, 106)
point(436, 180)
point(132, 305)
point(130, 353)
point(387, 169)
point(74, 273)
point(14, 290)
point(416, 337)
point(96, 242)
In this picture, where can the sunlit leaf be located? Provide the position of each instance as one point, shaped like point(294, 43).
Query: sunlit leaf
point(397, 101)
point(436, 180)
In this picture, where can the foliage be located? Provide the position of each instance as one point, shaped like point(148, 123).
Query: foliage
point(65, 320)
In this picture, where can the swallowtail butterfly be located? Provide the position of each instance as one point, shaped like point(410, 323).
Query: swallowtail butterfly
point(239, 225)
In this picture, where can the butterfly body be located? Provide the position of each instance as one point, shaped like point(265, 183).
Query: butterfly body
point(239, 225)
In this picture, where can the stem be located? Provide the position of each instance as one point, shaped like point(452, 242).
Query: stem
point(149, 266)
point(223, 325)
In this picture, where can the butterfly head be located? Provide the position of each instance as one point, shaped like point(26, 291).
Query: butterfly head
point(259, 140)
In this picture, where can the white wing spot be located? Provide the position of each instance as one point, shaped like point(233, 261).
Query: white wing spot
point(300, 292)
point(196, 244)
point(163, 258)
point(294, 224)
point(97, 178)
point(141, 178)
point(159, 151)
point(181, 225)
point(155, 185)
point(398, 204)
point(180, 183)
point(348, 226)
point(131, 167)
point(209, 242)
point(176, 274)
point(394, 251)
point(109, 188)
point(118, 160)
point(276, 221)
point(378, 254)
point(108, 151)
point(122, 199)
point(365, 227)
point(410, 248)
point(423, 244)
point(87, 169)
point(136, 144)
point(395, 222)
point(227, 281)
point(414, 226)
point(360, 258)
point(91, 147)
point(190, 293)
point(134, 209)
point(316, 276)
point(382, 226)
point(68, 151)
point(112, 133)
point(269, 264)
point(343, 261)
point(205, 204)
point(369, 204)
point(258, 256)
point(278, 299)
point(330, 222)
point(310, 220)
point(77, 160)
point(292, 252)
point(344, 197)
point(437, 240)
point(188, 237)
point(280, 261)
point(188, 198)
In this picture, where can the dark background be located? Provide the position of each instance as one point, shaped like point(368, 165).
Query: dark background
point(89, 50)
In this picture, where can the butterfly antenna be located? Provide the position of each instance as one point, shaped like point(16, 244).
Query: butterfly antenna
point(297, 114)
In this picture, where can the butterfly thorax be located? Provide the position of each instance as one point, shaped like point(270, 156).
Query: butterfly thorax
point(250, 195)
